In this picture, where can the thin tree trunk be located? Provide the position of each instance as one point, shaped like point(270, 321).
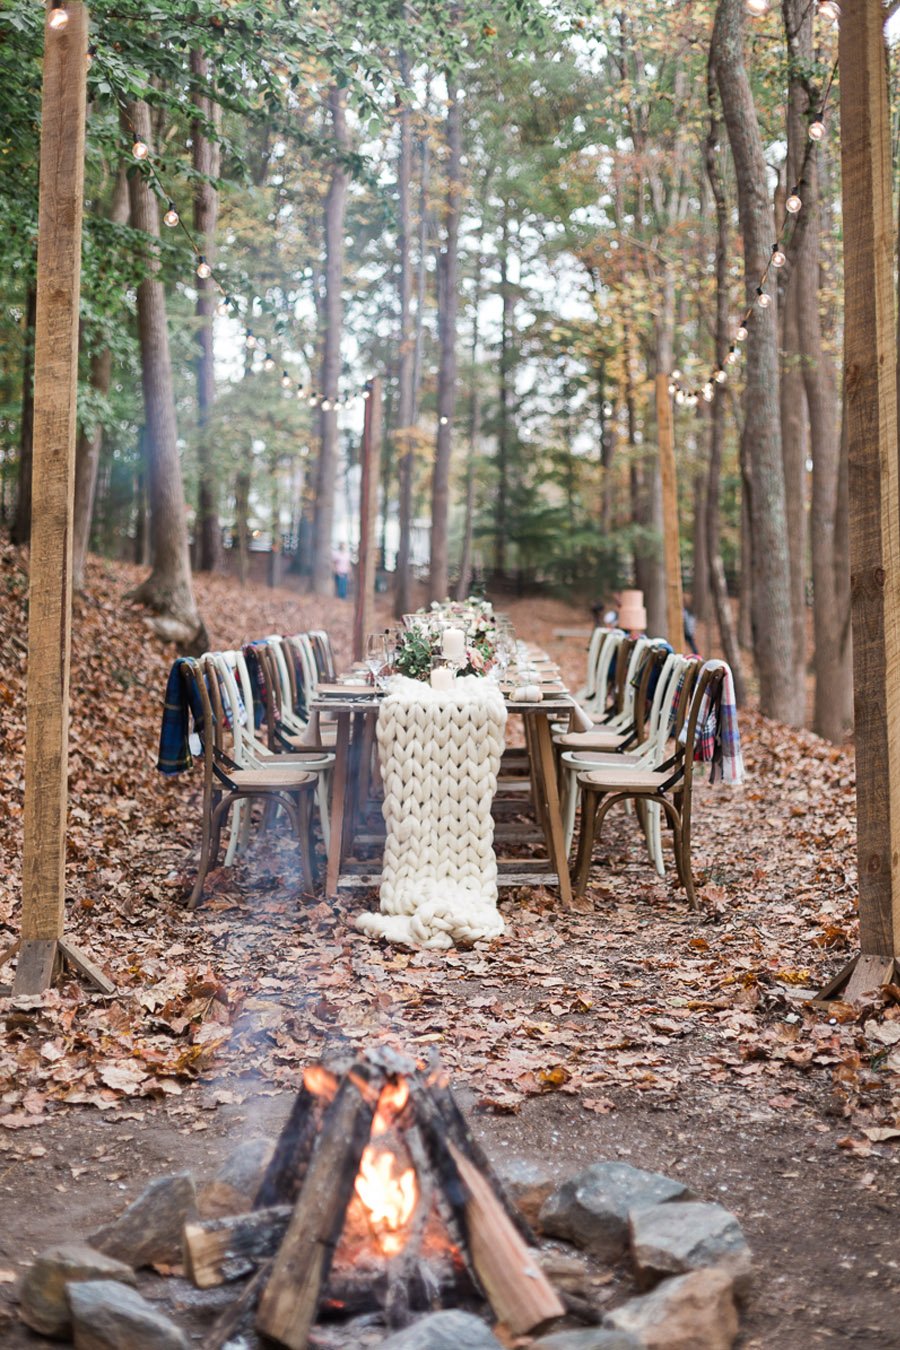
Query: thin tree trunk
point(772, 619)
point(406, 356)
point(89, 445)
point(504, 422)
point(717, 584)
point(167, 591)
point(335, 212)
point(205, 155)
point(448, 308)
point(700, 586)
point(21, 527)
point(464, 583)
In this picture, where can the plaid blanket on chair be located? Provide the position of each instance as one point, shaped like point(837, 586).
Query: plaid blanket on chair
point(718, 741)
point(182, 700)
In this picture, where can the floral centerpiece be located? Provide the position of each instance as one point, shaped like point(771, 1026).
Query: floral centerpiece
point(422, 637)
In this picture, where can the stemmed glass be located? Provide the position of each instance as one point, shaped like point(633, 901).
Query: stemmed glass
point(376, 656)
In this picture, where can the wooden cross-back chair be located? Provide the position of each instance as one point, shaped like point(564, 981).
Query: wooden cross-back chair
point(669, 786)
point(226, 783)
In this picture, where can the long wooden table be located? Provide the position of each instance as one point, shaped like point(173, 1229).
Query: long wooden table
point(355, 714)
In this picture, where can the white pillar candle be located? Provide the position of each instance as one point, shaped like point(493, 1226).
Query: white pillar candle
point(442, 679)
point(454, 645)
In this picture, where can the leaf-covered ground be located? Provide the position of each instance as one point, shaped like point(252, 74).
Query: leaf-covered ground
point(633, 1011)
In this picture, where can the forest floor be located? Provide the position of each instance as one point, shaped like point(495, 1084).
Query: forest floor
point(632, 1030)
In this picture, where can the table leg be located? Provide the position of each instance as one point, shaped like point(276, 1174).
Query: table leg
point(553, 822)
point(338, 803)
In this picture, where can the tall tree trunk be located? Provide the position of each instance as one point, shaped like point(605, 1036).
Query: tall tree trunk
point(448, 306)
point(21, 527)
point(700, 584)
point(89, 445)
point(421, 271)
point(167, 591)
point(654, 565)
point(717, 584)
point(772, 619)
point(504, 422)
point(406, 356)
point(326, 478)
point(464, 582)
point(833, 674)
point(205, 156)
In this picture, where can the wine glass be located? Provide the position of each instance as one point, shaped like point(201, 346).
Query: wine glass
point(376, 656)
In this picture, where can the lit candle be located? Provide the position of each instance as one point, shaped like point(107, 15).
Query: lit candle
point(442, 679)
point(454, 645)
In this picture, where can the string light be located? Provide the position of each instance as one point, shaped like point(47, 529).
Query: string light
point(203, 269)
point(741, 334)
point(793, 203)
point(830, 9)
point(223, 308)
point(778, 258)
point(286, 380)
point(171, 217)
point(763, 299)
point(58, 18)
point(757, 8)
point(140, 150)
point(709, 390)
point(732, 356)
point(269, 363)
point(443, 421)
point(721, 375)
point(313, 400)
point(816, 130)
point(249, 340)
point(326, 405)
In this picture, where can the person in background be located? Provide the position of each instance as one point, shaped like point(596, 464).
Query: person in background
point(690, 631)
point(340, 560)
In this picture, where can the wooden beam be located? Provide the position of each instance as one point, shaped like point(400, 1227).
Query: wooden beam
point(364, 604)
point(870, 374)
point(671, 542)
point(53, 476)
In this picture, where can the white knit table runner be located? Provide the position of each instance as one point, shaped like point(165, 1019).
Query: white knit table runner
point(440, 756)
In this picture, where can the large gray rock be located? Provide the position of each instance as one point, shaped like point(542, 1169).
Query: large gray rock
point(689, 1312)
point(591, 1209)
point(444, 1331)
point(110, 1316)
point(150, 1228)
point(233, 1188)
point(43, 1304)
point(673, 1239)
point(589, 1338)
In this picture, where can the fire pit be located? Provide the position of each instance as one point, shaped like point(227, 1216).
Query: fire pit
point(377, 1196)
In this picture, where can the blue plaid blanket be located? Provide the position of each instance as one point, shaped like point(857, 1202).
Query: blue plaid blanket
point(182, 700)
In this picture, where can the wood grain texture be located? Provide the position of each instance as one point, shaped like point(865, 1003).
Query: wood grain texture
point(870, 366)
point(669, 485)
point(50, 582)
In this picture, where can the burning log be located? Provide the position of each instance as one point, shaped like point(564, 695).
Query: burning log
point(287, 1168)
point(219, 1250)
point(290, 1302)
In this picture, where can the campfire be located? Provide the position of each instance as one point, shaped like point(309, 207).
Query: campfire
point(377, 1198)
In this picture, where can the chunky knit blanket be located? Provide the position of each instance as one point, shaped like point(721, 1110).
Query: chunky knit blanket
point(440, 756)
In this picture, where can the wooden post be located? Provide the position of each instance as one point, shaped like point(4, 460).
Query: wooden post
point(870, 373)
point(669, 484)
point(364, 607)
point(53, 479)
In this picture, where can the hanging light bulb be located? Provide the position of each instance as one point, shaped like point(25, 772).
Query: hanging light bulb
point(679, 396)
point(58, 18)
point(816, 130)
point(313, 400)
point(285, 380)
point(367, 392)
point(269, 363)
point(672, 388)
point(224, 307)
point(443, 421)
point(326, 405)
point(721, 375)
point(691, 400)
point(778, 258)
point(741, 334)
point(793, 204)
point(757, 8)
point(732, 356)
point(830, 10)
point(249, 340)
point(140, 150)
point(203, 268)
point(171, 217)
point(763, 299)
point(676, 374)
point(708, 391)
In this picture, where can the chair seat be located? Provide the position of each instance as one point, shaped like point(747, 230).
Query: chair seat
point(272, 780)
point(327, 736)
point(588, 759)
point(621, 780)
point(591, 740)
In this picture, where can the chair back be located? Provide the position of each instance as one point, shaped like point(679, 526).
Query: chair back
point(324, 654)
point(241, 714)
point(202, 674)
point(588, 690)
point(707, 680)
point(606, 666)
point(308, 666)
point(653, 660)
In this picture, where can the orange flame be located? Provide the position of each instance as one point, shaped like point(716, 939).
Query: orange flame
point(388, 1197)
point(394, 1097)
point(320, 1082)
